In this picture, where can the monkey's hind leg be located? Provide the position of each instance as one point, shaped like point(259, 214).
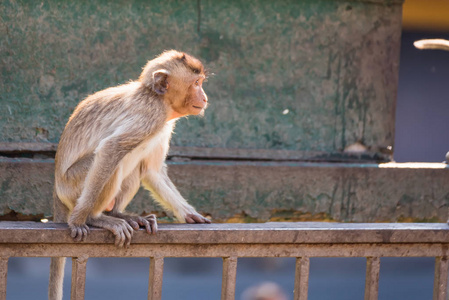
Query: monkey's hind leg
point(128, 190)
point(120, 228)
point(135, 221)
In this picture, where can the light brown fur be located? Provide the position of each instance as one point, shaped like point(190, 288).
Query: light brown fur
point(118, 138)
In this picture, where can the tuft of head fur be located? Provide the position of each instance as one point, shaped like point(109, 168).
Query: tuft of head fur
point(171, 61)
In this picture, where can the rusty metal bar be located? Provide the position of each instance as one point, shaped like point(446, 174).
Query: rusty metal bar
point(234, 233)
point(3, 276)
point(230, 241)
point(301, 278)
point(372, 278)
point(155, 278)
point(225, 250)
point(440, 285)
point(78, 277)
point(229, 277)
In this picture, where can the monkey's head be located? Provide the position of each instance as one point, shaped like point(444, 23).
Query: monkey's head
point(178, 78)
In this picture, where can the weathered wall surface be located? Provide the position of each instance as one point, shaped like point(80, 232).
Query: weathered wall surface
point(292, 80)
point(249, 191)
point(311, 75)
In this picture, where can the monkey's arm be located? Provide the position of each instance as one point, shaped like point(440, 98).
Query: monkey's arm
point(165, 192)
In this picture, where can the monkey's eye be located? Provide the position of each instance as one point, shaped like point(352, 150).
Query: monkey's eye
point(197, 82)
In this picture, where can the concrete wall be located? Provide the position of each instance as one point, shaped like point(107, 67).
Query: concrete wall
point(311, 75)
point(290, 79)
point(263, 191)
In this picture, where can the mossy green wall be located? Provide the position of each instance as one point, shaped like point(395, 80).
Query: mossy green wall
point(310, 75)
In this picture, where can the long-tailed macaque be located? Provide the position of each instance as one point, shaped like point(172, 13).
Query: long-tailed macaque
point(118, 138)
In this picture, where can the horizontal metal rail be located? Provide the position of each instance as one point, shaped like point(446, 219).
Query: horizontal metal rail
point(231, 241)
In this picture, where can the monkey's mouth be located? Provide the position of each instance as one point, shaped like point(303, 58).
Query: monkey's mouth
point(197, 107)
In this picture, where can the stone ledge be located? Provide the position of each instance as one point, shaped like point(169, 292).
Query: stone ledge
point(249, 191)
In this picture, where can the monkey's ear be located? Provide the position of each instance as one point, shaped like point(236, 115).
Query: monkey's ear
point(160, 83)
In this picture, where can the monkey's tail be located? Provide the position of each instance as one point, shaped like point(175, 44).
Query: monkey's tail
point(60, 215)
point(56, 278)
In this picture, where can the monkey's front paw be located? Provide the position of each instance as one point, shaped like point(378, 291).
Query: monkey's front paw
point(148, 222)
point(79, 232)
point(196, 218)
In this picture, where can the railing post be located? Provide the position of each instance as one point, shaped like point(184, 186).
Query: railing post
point(155, 279)
point(301, 278)
point(229, 277)
point(440, 284)
point(78, 277)
point(3, 275)
point(372, 278)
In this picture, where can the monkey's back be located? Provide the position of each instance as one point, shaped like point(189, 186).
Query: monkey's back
point(102, 115)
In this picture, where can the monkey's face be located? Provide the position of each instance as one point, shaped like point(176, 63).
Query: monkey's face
point(196, 99)
point(178, 77)
point(186, 95)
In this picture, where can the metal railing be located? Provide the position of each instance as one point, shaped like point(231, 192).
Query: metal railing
point(231, 241)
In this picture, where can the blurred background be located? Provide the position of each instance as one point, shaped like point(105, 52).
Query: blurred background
point(422, 135)
point(422, 123)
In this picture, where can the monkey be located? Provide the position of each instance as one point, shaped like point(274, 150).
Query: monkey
point(117, 139)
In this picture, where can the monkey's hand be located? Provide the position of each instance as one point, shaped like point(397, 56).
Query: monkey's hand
point(196, 218)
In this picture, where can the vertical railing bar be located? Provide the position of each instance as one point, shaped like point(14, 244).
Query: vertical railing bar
point(155, 278)
point(440, 284)
point(372, 278)
point(228, 278)
point(301, 278)
point(3, 276)
point(78, 278)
